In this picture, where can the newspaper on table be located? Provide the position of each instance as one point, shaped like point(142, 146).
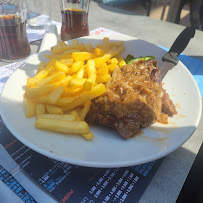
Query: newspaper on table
point(36, 178)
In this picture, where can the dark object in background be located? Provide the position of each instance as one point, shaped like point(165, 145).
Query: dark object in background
point(196, 13)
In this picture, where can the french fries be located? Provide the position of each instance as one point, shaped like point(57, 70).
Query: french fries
point(40, 109)
point(61, 126)
point(85, 96)
point(88, 135)
point(39, 91)
point(53, 109)
point(55, 95)
point(30, 109)
point(63, 117)
point(74, 75)
point(91, 71)
point(85, 110)
point(77, 65)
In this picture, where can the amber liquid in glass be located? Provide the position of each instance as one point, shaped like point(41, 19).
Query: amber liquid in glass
point(13, 38)
point(74, 24)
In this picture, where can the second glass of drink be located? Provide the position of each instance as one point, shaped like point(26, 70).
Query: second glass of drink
point(14, 44)
point(74, 18)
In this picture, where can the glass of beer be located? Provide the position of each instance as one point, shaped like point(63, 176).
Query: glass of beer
point(13, 37)
point(74, 18)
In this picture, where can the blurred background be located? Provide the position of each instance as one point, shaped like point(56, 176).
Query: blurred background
point(158, 9)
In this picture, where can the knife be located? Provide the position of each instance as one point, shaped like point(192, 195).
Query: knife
point(170, 59)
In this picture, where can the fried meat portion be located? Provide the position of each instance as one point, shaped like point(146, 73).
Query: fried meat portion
point(134, 99)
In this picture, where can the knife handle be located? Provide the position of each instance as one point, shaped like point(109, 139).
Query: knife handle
point(179, 45)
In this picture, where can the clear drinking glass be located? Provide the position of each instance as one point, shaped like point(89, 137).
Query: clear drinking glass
point(13, 37)
point(74, 18)
point(39, 13)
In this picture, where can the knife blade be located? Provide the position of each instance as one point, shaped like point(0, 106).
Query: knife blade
point(170, 59)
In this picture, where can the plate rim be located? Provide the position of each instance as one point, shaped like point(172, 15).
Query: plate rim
point(100, 164)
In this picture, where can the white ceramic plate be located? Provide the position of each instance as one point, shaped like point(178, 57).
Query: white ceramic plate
point(107, 149)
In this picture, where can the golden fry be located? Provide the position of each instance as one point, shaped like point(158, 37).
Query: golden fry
point(112, 61)
point(121, 61)
point(116, 44)
point(82, 47)
point(91, 71)
point(85, 110)
point(75, 83)
point(111, 67)
point(32, 82)
point(61, 49)
point(71, 91)
point(68, 62)
point(77, 66)
point(40, 109)
point(65, 55)
point(103, 78)
point(52, 78)
point(39, 100)
point(82, 56)
point(74, 112)
point(61, 67)
point(101, 60)
point(105, 43)
point(89, 47)
point(86, 96)
point(103, 70)
point(58, 49)
point(41, 67)
point(98, 46)
point(64, 101)
point(88, 135)
point(75, 42)
point(63, 117)
point(64, 82)
point(99, 51)
point(49, 56)
point(45, 72)
point(55, 95)
point(62, 126)
point(80, 73)
point(30, 109)
point(88, 84)
point(117, 51)
point(39, 91)
point(53, 109)
point(62, 43)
